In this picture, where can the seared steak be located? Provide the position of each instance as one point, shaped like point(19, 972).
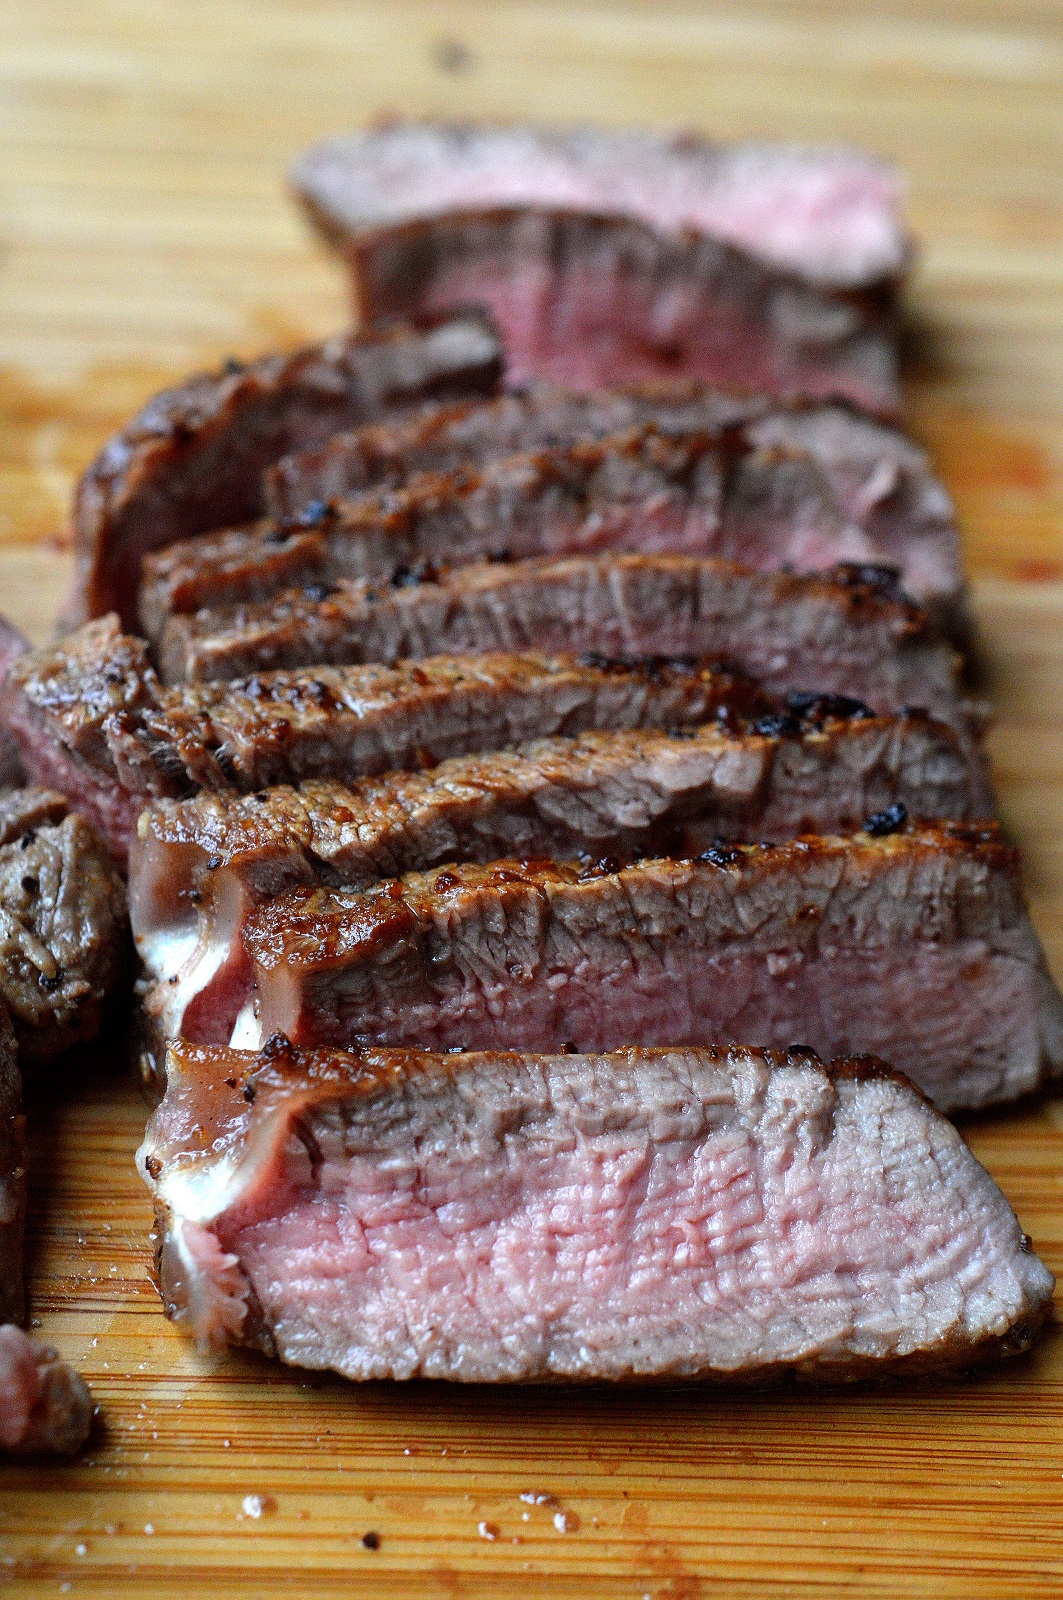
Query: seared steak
point(45, 1408)
point(198, 867)
point(64, 928)
point(93, 720)
point(652, 1214)
point(698, 493)
point(610, 257)
point(12, 1180)
point(847, 632)
point(444, 438)
point(916, 946)
point(193, 458)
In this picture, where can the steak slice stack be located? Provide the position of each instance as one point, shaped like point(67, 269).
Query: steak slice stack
point(92, 718)
point(846, 632)
point(614, 257)
point(700, 493)
point(649, 1214)
point(193, 458)
point(198, 867)
point(915, 946)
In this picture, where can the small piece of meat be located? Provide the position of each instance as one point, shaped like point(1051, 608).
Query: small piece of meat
point(12, 1177)
point(613, 257)
point(93, 720)
point(733, 1214)
point(64, 927)
point(848, 632)
point(704, 494)
point(198, 867)
point(192, 459)
point(12, 644)
point(915, 946)
point(45, 1408)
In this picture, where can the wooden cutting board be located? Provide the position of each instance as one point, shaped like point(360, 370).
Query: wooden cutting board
point(144, 231)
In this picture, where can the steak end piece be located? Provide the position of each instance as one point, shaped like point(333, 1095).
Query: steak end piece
point(912, 943)
point(193, 458)
point(64, 927)
point(729, 1214)
point(45, 1407)
point(618, 257)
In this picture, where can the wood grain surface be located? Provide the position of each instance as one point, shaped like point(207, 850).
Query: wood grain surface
point(144, 230)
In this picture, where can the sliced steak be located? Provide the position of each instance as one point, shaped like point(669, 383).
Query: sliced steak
point(847, 632)
point(444, 438)
point(701, 493)
point(64, 928)
point(93, 720)
point(610, 257)
point(916, 946)
point(12, 1179)
point(651, 1214)
point(193, 458)
point(198, 867)
point(45, 1408)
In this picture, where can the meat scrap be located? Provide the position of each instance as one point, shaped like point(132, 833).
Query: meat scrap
point(45, 1406)
point(299, 1195)
point(64, 927)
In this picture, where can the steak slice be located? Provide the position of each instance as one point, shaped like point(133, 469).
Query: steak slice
point(45, 1408)
point(93, 720)
point(64, 928)
point(651, 1214)
point(704, 494)
point(847, 632)
point(198, 867)
point(444, 438)
point(193, 458)
point(12, 1180)
point(610, 257)
point(915, 946)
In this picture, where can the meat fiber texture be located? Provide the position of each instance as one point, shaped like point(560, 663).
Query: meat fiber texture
point(64, 928)
point(193, 458)
point(848, 632)
point(45, 1408)
point(12, 1177)
point(829, 465)
point(613, 257)
point(916, 947)
point(644, 1215)
point(93, 720)
point(199, 867)
point(769, 508)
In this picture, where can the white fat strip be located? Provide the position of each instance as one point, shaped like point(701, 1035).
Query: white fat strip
point(184, 958)
point(247, 1032)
